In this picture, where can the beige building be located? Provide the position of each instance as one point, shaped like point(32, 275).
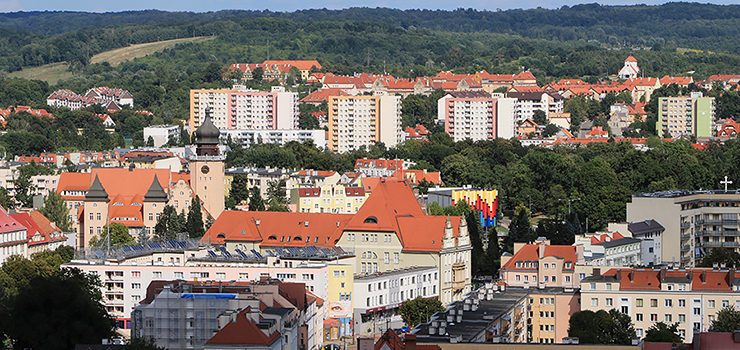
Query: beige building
point(328, 199)
point(389, 232)
point(691, 297)
point(542, 265)
point(694, 222)
point(356, 121)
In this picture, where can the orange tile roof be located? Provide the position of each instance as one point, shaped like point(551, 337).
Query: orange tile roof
point(322, 95)
point(530, 252)
point(631, 59)
point(115, 181)
point(395, 164)
point(316, 173)
point(418, 176)
point(300, 64)
point(243, 331)
point(277, 229)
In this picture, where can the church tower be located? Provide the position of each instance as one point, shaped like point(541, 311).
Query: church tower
point(207, 168)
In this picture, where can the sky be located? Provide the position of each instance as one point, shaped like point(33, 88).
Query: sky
point(290, 5)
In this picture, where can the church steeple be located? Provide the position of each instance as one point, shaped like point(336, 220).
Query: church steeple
point(206, 137)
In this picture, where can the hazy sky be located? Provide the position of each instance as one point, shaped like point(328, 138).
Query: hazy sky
point(288, 5)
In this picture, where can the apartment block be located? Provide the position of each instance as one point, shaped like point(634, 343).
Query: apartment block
point(378, 296)
point(691, 297)
point(528, 102)
point(694, 222)
point(161, 134)
point(242, 109)
point(277, 136)
point(356, 121)
point(541, 264)
point(686, 115)
point(127, 272)
point(469, 115)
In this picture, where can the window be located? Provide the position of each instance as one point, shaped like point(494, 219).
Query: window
point(638, 317)
point(594, 302)
point(135, 285)
point(567, 279)
point(243, 275)
point(395, 258)
point(697, 326)
point(179, 275)
point(638, 302)
point(669, 303)
point(387, 257)
point(681, 302)
point(609, 302)
point(516, 278)
point(653, 302)
point(697, 311)
point(220, 275)
point(608, 286)
point(681, 318)
point(156, 274)
point(593, 286)
point(336, 273)
point(668, 318)
point(135, 297)
point(342, 285)
point(342, 273)
point(546, 266)
point(136, 274)
point(654, 317)
point(725, 303)
point(710, 304)
point(553, 279)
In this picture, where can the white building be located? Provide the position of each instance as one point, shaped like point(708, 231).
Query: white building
point(125, 278)
point(506, 116)
point(161, 133)
point(379, 295)
point(242, 109)
point(278, 136)
point(630, 69)
point(528, 102)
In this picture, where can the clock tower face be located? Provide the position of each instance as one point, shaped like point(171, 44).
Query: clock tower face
point(205, 169)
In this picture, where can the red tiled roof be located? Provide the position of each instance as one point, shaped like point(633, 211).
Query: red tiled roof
point(243, 331)
point(277, 228)
point(322, 95)
point(8, 223)
point(300, 64)
point(395, 164)
point(530, 252)
point(631, 59)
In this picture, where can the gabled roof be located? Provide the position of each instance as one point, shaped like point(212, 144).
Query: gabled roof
point(530, 252)
point(243, 331)
point(8, 223)
point(641, 227)
point(322, 95)
point(631, 59)
point(273, 229)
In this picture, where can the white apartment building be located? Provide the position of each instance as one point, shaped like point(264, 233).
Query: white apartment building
point(468, 115)
point(278, 136)
point(241, 109)
point(161, 134)
point(528, 102)
point(356, 121)
point(379, 295)
point(125, 279)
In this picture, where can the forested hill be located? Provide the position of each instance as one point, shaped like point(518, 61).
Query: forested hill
point(691, 25)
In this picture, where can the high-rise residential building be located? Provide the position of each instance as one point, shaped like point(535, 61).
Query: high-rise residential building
point(694, 222)
point(356, 121)
point(242, 109)
point(685, 115)
point(476, 115)
point(530, 101)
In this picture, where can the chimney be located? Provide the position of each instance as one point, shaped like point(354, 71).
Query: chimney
point(631, 275)
point(662, 274)
point(580, 258)
point(619, 275)
point(703, 276)
point(596, 272)
point(541, 249)
point(410, 341)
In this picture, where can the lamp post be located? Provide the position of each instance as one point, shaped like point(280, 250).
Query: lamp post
point(569, 201)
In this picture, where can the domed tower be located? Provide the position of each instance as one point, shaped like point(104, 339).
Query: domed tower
point(206, 137)
point(207, 168)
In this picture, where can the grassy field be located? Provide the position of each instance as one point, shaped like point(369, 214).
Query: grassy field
point(54, 72)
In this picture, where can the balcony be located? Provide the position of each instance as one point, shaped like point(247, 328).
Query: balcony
point(721, 244)
point(685, 224)
point(686, 236)
point(458, 274)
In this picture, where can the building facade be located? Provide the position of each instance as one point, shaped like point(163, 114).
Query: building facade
point(469, 115)
point(356, 121)
point(691, 297)
point(336, 199)
point(686, 116)
point(694, 222)
point(162, 134)
point(241, 109)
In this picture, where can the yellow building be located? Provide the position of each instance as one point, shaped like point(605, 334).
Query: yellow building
point(340, 284)
point(328, 199)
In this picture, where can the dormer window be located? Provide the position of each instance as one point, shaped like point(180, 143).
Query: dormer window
point(371, 220)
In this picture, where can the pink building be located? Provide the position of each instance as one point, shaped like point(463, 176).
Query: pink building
point(541, 264)
point(469, 115)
